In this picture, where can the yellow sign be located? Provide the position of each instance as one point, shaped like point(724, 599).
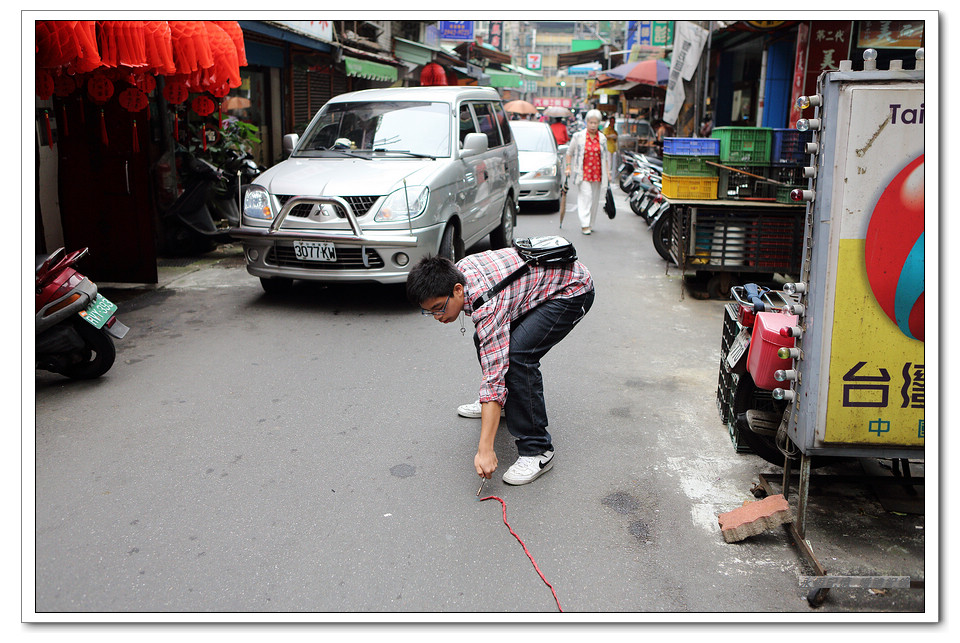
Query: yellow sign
point(765, 24)
point(876, 392)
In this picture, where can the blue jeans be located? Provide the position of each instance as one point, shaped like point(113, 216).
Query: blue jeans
point(531, 336)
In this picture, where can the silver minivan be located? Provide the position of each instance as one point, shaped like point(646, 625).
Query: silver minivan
point(379, 179)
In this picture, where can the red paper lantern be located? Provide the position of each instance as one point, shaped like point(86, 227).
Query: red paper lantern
point(202, 105)
point(64, 85)
point(133, 99)
point(191, 48)
point(175, 92)
point(100, 89)
point(433, 75)
point(45, 84)
point(159, 46)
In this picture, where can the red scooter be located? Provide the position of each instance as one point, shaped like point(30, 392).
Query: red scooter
point(74, 322)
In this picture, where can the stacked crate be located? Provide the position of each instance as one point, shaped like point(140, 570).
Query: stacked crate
point(747, 149)
point(687, 172)
point(788, 155)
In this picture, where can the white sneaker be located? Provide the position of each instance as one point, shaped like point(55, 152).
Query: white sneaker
point(472, 410)
point(528, 468)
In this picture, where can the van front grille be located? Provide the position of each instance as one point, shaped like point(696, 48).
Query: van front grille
point(348, 258)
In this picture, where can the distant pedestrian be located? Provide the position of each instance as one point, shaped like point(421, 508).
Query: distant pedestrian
point(610, 132)
point(560, 132)
point(589, 164)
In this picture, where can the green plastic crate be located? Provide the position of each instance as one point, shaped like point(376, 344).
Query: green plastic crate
point(743, 145)
point(783, 193)
point(677, 165)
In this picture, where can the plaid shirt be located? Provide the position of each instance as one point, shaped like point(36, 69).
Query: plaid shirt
point(492, 320)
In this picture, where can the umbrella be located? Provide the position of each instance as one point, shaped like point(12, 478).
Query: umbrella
point(645, 72)
point(556, 111)
point(520, 107)
point(563, 201)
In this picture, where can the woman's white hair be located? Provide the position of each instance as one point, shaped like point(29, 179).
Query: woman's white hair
point(593, 113)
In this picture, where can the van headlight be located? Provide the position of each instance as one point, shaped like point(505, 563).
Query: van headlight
point(403, 204)
point(550, 170)
point(256, 204)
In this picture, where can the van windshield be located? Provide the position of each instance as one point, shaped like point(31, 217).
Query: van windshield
point(404, 128)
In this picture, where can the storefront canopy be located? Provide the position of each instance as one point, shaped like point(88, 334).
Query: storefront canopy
point(369, 69)
point(503, 78)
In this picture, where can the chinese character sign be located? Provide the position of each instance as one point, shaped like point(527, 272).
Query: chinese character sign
point(876, 392)
point(495, 34)
point(456, 29)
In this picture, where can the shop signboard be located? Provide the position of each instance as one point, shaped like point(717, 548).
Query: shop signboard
point(862, 374)
point(495, 34)
point(550, 102)
point(650, 33)
point(456, 29)
point(535, 61)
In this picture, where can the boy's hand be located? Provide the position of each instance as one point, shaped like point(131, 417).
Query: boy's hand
point(485, 462)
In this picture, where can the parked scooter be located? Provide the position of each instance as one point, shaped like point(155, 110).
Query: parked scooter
point(208, 207)
point(761, 356)
point(74, 323)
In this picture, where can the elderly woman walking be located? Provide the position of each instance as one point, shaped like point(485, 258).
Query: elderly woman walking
point(590, 165)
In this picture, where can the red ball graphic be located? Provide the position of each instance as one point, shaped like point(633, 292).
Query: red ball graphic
point(893, 250)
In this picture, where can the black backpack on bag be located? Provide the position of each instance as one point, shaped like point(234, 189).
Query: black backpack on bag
point(535, 251)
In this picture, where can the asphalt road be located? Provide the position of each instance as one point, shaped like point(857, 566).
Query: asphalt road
point(301, 456)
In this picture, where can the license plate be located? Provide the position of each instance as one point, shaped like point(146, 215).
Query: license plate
point(739, 348)
point(314, 251)
point(99, 311)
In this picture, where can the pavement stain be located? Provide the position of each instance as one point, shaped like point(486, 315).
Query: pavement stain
point(402, 470)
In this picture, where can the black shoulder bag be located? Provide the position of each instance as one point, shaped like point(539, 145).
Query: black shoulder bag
point(535, 251)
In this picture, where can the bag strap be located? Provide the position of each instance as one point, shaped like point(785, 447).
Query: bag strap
point(503, 283)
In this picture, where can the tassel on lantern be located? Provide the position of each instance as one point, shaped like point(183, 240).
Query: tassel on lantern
point(46, 123)
point(63, 119)
point(203, 134)
point(103, 129)
point(136, 139)
point(176, 126)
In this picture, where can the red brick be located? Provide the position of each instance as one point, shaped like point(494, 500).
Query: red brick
point(754, 518)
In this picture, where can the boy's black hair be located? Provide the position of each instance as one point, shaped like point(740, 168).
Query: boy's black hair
point(432, 277)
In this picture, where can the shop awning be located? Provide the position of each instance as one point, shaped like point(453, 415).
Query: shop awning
point(529, 74)
point(369, 69)
point(581, 57)
point(413, 52)
point(503, 78)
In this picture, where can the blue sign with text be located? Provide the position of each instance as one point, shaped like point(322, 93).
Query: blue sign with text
point(456, 29)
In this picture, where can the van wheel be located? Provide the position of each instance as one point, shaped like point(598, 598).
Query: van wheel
point(502, 237)
point(451, 245)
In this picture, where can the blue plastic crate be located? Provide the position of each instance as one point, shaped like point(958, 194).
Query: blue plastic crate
point(789, 146)
point(691, 146)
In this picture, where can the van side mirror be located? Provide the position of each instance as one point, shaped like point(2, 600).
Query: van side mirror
point(289, 142)
point(474, 144)
point(562, 150)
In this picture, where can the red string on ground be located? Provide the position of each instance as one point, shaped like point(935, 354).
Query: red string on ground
point(500, 500)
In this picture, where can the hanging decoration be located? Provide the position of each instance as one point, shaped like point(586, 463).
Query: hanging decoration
point(203, 106)
point(122, 43)
point(45, 84)
point(158, 43)
point(433, 74)
point(195, 57)
point(133, 100)
point(63, 86)
point(175, 92)
point(100, 89)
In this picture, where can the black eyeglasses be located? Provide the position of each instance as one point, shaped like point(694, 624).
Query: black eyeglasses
point(424, 311)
